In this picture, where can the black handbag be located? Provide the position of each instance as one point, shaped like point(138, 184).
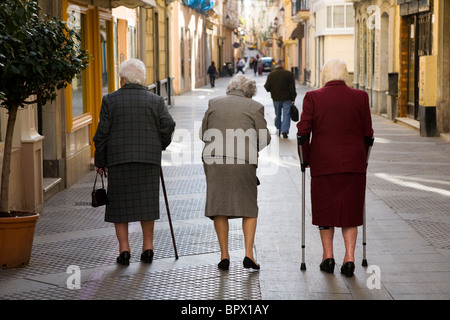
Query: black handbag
point(294, 113)
point(99, 196)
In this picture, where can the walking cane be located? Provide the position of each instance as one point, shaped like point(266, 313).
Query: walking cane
point(168, 213)
point(303, 165)
point(369, 141)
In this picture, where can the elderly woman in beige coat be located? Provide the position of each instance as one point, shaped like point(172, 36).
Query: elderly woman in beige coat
point(234, 130)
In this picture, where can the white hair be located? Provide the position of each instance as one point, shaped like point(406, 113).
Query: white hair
point(243, 84)
point(133, 71)
point(334, 69)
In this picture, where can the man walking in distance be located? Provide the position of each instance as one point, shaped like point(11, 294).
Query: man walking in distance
point(281, 85)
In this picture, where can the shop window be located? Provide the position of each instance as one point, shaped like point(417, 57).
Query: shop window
point(84, 94)
point(76, 21)
point(78, 92)
point(132, 42)
point(104, 30)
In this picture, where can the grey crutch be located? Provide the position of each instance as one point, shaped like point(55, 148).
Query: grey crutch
point(303, 166)
point(369, 142)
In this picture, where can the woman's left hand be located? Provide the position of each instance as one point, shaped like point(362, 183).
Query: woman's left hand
point(101, 170)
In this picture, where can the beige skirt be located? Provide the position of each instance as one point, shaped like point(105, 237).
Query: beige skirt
point(231, 190)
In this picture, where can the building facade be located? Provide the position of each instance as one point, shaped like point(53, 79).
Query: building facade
point(376, 47)
point(402, 60)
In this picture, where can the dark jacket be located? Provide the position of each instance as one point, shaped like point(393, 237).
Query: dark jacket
point(212, 71)
point(135, 126)
point(281, 85)
point(338, 118)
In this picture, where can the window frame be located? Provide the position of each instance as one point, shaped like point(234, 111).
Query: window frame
point(74, 123)
point(330, 11)
point(92, 90)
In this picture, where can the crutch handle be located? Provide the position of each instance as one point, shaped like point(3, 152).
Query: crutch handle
point(369, 140)
point(301, 140)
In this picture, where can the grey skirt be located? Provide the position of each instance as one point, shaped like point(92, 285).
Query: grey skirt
point(231, 190)
point(133, 192)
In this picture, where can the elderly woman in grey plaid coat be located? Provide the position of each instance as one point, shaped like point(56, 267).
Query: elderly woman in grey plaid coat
point(135, 126)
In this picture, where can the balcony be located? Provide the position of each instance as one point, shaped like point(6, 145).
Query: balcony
point(300, 10)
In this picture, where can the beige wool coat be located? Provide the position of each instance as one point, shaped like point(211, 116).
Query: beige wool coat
point(234, 127)
point(234, 131)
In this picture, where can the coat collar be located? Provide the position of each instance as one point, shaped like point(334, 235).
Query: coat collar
point(236, 92)
point(335, 83)
point(133, 86)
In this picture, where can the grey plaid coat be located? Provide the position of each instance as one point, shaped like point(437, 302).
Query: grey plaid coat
point(135, 126)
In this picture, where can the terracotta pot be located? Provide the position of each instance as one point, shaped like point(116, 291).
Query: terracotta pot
point(16, 239)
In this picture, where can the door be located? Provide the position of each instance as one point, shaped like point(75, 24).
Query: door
point(413, 70)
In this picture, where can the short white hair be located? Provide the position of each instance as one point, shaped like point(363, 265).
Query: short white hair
point(133, 71)
point(243, 84)
point(334, 69)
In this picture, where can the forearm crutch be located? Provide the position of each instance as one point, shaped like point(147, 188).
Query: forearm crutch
point(303, 165)
point(168, 213)
point(369, 142)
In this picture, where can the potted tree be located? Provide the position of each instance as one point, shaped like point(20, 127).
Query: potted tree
point(38, 56)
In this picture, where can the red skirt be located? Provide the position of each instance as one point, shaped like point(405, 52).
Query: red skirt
point(337, 200)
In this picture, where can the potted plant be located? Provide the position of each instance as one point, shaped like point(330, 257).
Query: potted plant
point(38, 56)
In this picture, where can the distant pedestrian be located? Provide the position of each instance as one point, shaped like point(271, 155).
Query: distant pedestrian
point(212, 71)
point(260, 66)
point(135, 126)
point(281, 85)
point(231, 172)
point(339, 119)
point(240, 66)
point(254, 65)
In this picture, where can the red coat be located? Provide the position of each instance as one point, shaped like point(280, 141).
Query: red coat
point(338, 118)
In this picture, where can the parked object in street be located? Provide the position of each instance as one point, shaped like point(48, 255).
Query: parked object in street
point(268, 64)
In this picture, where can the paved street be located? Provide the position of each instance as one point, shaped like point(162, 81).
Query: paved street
point(408, 228)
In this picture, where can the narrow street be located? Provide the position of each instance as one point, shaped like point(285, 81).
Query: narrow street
point(408, 228)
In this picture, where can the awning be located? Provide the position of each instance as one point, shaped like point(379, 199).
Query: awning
point(298, 32)
point(126, 3)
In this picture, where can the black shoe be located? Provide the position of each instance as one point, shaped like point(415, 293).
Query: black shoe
point(147, 256)
point(285, 135)
point(224, 264)
point(327, 265)
point(124, 258)
point(348, 268)
point(248, 263)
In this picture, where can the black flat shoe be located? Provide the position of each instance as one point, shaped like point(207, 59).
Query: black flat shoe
point(327, 265)
point(224, 264)
point(124, 258)
point(147, 256)
point(348, 268)
point(248, 263)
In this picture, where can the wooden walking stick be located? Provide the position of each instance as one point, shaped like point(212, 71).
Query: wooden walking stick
point(168, 213)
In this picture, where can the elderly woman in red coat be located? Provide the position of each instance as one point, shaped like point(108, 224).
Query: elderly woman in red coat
point(338, 120)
